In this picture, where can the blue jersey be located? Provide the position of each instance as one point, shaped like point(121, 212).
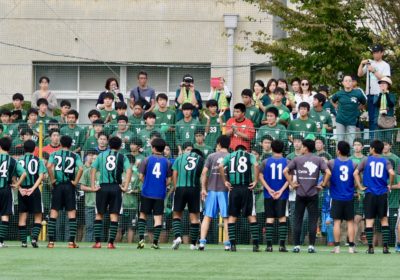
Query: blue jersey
point(156, 170)
point(375, 174)
point(272, 169)
point(342, 180)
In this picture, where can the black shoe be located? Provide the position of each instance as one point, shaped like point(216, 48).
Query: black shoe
point(233, 247)
point(24, 245)
point(296, 250)
point(34, 243)
point(386, 250)
point(269, 249)
point(283, 249)
point(256, 248)
point(370, 251)
point(311, 250)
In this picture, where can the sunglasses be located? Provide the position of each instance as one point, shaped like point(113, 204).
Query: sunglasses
point(304, 84)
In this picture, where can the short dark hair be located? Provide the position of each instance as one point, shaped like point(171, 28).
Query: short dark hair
point(5, 112)
point(142, 72)
point(267, 137)
point(304, 105)
point(26, 130)
point(199, 130)
point(155, 133)
point(122, 118)
point(162, 96)
point(94, 112)
point(224, 141)
point(29, 146)
point(247, 92)
point(108, 95)
point(321, 98)
point(99, 122)
point(158, 144)
point(279, 90)
point(102, 134)
point(212, 103)
point(109, 81)
point(66, 141)
point(277, 146)
point(121, 106)
point(377, 145)
point(296, 79)
point(240, 106)
point(73, 112)
point(358, 140)
point(344, 148)
point(187, 106)
point(187, 144)
point(44, 78)
point(65, 103)
point(309, 144)
point(285, 82)
point(136, 141)
point(53, 131)
point(151, 115)
point(115, 143)
point(240, 148)
point(272, 110)
point(18, 96)
point(41, 101)
point(5, 143)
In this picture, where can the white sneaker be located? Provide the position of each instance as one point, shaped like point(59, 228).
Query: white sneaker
point(352, 250)
point(336, 250)
point(176, 243)
point(3, 245)
point(193, 247)
point(202, 246)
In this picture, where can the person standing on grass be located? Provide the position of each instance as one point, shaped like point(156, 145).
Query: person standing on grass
point(308, 168)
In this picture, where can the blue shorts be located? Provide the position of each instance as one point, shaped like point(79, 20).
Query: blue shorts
point(216, 201)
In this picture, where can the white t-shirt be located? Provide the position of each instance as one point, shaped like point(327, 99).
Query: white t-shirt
point(381, 67)
point(298, 98)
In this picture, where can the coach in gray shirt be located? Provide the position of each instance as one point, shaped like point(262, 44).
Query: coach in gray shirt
point(308, 168)
point(146, 95)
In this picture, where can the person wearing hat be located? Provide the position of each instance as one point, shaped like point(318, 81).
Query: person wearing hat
point(375, 69)
point(186, 93)
point(186, 127)
point(384, 106)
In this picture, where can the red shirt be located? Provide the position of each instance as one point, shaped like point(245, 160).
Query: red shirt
point(246, 126)
point(47, 149)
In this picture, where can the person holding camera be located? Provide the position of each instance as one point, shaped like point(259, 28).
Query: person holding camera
point(186, 93)
point(375, 69)
point(143, 93)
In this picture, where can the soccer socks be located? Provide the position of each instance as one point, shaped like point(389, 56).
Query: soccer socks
point(157, 232)
point(283, 231)
point(232, 233)
point(194, 232)
point(269, 231)
point(22, 234)
point(72, 229)
point(3, 231)
point(98, 229)
point(51, 228)
point(369, 232)
point(254, 232)
point(141, 228)
point(36, 231)
point(113, 231)
point(385, 235)
point(176, 227)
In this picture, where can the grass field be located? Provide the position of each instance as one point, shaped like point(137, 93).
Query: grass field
point(126, 262)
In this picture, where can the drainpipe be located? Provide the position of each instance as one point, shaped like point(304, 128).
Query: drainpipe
point(230, 22)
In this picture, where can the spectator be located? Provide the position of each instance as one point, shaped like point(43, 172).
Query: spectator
point(322, 118)
point(303, 124)
point(186, 127)
point(102, 143)
point(348, 102)
point(222, 95)
point(212, 123)
point(54, 144)
point(328, 106)
point(187, 94)
point(375, 69)
point(272, 127)
point(136, 119)
point(45, 93)
point(112, 87)
point(108, 113)
point(143, 93)
point(200, 145)
point(42, 104)
point(385, 103)
point(288, 100)
point(261, 99)
point(74, 131)
point(295, 83)
point(91, 140)
point(18, 102)
point(65, 107)
point(123, 133)
point(165, 118)
point(239, 128)
point(306, 94)
point(284, 113)
point(252, 112)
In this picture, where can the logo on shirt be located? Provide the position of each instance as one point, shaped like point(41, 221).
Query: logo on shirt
point(251, 113)
point(169, 117)
point(77, 133)
point(322, 118)
point(206, 151)
point(308, 125)
point(353, 99)
point(311, 167)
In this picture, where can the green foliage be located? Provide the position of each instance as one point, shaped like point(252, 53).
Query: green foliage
point(26, 106)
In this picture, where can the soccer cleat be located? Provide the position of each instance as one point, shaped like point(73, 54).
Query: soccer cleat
point(256, 248)
point(111, 246)
point(176, 243)
point(283, 250)
point(72, 245)
point(311, 249)
point(370, 251)
point(398, 249)
point(202, 246)
point(233, 248)
point(96, 245)
point(24, 245)
point(193, 247)
point(269, 249)
point(140, 245)
point(336, 250)
point(3, 245)
point(352, 250)
point(155, 246)
point(296, 249)
point(50, 245)
point(386, 250)
point(34, 243)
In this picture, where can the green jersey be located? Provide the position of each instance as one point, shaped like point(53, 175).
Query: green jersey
point(239, 167)
point(60, 119)
point(111, 165)
point(185, 131)
point(321, 118)
point(44, 119)
point(166, 120)
point(144, 135)
point(214, 130)
point(254, 114)
point(9, 168)
point(206, 150)
point(302, 127)
point(281, 110)
point(357, 160)
point(126, 137)
point(277, 131)
point(189, 167)
point(77, 135)
point(136, 124)
point(90, 143)
point(65, 164)
point(108, 115)
point(394, 195)
point(90, 197)
point(348, 108)
point(34, 166)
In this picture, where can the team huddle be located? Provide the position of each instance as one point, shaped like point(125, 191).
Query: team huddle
point(225, 181)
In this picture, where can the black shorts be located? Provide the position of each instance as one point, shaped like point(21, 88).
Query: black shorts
point(375, 206)
point(63, 197)
point(109, 196)
point(189, 196)
point(151, 206)
point(275, 208)
point(30, 204)
point(342, 210)
point(241, 200)
point(6, 202)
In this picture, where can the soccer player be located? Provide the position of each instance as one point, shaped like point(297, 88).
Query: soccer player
point(272, 127)
point(321, 116)
point(29, 196)
point(241, 180)
point(200, 145)
point(155, 172)
point(376, 172)
point(65, 106)
point(214, 192)
point(307, 168)
point(342, 192)
point(212, 122)
point(62, 167)
point(9, 168)
point(186, 183)
point(123, 133)
point(111, 164)
point(276, 194)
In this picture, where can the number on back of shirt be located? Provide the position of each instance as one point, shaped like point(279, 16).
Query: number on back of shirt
point(32, 167)
point(156, 170)
point(276, 170)
point(376, 169)
point(110, 163)
point(191, 163)
point(344, 173)
point(3, 169)
point(241, 166)
point(69, 164)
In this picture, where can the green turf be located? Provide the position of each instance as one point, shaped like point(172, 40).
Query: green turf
point(129, 263)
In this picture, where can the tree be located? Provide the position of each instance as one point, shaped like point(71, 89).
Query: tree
point(324, 38)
